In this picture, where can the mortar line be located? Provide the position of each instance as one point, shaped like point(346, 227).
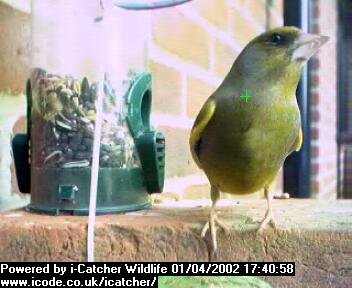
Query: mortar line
point(168, 59)
point(159, 119)
point(184, 90)
point(213, 30)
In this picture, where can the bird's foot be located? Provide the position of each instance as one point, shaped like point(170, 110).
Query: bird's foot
point(213, 219)
point(268, 219)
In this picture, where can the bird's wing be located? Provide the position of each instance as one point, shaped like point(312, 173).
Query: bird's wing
point(202, 120)
point(298, 142)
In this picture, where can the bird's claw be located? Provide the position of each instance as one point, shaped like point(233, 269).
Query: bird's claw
point(268, 219)
point(210, 225)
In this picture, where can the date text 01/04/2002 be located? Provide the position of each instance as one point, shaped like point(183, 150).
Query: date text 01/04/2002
point(240, 268)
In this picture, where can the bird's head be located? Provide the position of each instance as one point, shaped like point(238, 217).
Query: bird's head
point(278, 53)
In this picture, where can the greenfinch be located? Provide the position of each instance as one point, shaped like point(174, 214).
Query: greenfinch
point(251, 123)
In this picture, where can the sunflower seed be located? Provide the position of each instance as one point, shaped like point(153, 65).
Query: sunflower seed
point(63, 126)
point(76, 164)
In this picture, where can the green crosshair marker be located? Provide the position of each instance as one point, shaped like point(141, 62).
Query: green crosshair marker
point(246, 96)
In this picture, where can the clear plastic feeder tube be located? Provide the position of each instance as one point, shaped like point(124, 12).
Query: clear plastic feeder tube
point(80, 48)
point(127, 49)
point(68, 64)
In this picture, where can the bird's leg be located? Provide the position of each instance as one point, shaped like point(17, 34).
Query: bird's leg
point(269, 217)
point(213, 218)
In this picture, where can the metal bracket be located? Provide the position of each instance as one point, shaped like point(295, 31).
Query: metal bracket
point(130, 5)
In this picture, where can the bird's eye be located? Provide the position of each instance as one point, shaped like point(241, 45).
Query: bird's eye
point(277, 39)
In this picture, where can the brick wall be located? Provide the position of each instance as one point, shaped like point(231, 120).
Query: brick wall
point(323, 102)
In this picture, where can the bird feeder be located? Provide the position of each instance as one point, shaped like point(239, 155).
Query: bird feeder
point(77, 60)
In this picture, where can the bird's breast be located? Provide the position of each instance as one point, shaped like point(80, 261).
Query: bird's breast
point(243, 151)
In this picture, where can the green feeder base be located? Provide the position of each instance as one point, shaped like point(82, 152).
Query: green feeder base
point(56, 190)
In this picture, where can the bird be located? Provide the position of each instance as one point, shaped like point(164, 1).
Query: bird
point(241, 143)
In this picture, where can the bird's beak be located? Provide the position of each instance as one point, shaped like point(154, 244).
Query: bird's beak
point(307, 45)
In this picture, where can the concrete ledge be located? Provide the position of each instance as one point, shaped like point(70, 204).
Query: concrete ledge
point(316, 235)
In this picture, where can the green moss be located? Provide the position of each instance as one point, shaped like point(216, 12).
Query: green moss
point(211, 281)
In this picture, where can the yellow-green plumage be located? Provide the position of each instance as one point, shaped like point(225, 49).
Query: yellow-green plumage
point(242, 145)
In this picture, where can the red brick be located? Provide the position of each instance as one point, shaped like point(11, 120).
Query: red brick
point(315, 186)
point(314, 99)
point(315, 152)
point(315, 63)
point(316, 11)
point(315, 169)
point(315, 133)
point(316, 28)
point(315, 80)
point(315, 116)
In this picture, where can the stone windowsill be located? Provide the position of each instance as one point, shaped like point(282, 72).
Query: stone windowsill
point(317, 235)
